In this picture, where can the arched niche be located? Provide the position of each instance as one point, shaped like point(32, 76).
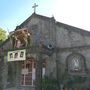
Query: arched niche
point(76, 64)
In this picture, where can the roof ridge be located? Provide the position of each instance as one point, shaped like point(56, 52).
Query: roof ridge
point(68, 27)
point(73, 28)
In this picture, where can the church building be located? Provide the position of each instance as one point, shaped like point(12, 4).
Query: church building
point(43, 48)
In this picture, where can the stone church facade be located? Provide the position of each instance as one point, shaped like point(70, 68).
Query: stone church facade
point(54, 50)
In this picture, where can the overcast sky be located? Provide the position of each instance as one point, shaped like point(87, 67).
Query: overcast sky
point(72, 12)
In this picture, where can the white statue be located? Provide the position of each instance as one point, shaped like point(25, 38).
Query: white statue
point(76, 64)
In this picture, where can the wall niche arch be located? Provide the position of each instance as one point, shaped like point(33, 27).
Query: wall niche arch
point(76, 64)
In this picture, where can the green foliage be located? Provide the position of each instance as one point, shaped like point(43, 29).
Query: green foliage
point(2, 35)
point(49, 83)
point(65, 79)
point(79, 79)
point(71, 81)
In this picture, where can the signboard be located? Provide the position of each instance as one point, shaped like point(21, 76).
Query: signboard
point(16, 55)
point(25, 71)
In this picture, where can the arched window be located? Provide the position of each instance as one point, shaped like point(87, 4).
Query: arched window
point(75, 63)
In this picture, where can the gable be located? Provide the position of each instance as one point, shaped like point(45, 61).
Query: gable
point(47, 31)
point(42, 29)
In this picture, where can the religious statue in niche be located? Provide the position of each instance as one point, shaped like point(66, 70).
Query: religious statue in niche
point(21, 38)
point(76, 63)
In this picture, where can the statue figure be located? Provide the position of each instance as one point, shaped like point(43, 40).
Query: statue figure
point(21, 38)
point(75, 64)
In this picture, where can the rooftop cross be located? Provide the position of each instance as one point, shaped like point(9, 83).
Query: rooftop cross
point(34, 7)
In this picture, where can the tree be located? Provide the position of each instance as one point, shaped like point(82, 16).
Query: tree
point(2, 35)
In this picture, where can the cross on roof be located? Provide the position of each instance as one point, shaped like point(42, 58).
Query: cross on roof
point(34, 7)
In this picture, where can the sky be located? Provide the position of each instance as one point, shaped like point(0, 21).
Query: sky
point(71, 12)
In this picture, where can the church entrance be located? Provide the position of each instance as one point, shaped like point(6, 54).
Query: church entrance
point(28, 72)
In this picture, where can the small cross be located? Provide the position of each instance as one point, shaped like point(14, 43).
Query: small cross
point(34, 7)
